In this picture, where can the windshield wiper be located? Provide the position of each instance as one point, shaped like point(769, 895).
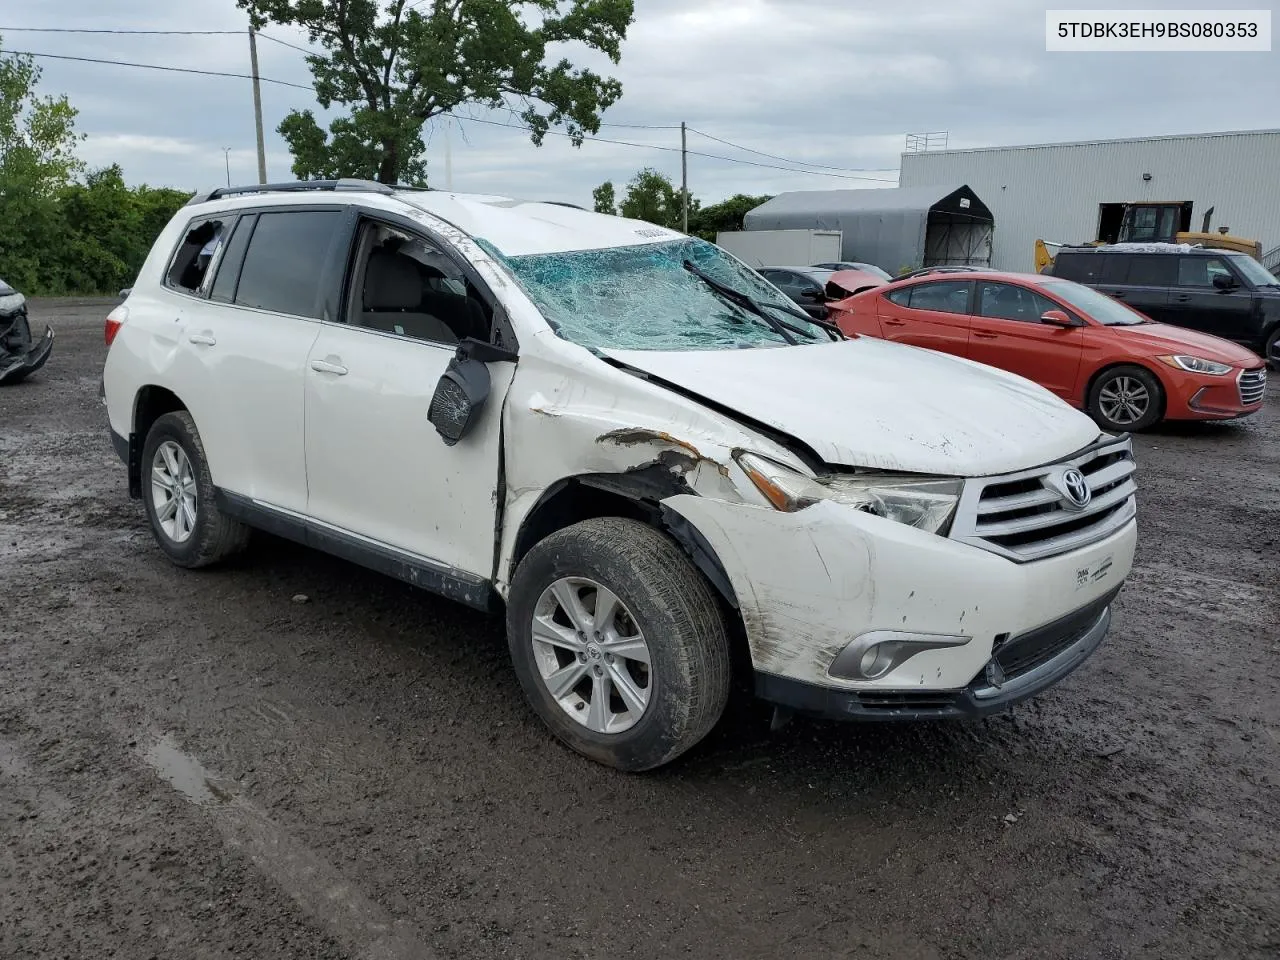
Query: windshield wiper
point(781, 327)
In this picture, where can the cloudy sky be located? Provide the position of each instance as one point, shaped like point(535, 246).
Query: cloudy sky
point(829, 82)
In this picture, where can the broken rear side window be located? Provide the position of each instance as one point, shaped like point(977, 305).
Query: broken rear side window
point(643, 298)
point(194, 255)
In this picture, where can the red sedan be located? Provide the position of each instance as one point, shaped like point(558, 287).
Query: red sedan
point(1096, 353)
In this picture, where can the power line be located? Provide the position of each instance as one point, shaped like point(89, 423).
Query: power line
point(154, 66)
point(286, 43)
point(173, 33)
point(692, 153)
point(773, 156)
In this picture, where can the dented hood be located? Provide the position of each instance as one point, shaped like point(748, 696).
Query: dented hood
point(871, 403)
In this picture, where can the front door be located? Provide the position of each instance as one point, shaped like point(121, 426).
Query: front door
point(376, 468)
point(1007, 333)
point(1197, 304)
point(933, 314)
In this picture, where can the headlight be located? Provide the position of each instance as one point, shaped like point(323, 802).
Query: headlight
point(1197, 365)
point(926, 503)
point(11, 301)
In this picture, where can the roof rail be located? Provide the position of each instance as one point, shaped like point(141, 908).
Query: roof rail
point(295, 186)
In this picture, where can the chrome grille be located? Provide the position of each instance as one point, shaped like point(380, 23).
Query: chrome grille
point(1253, 384)
point(1023, 517)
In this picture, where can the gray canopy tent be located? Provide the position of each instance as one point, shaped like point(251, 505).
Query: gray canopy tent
point(896, 229)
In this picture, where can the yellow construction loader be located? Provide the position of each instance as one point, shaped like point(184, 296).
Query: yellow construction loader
point(1159, 222)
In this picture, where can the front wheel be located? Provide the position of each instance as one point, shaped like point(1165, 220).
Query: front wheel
point(1126, 398)
point(619, 643)
point(1272, 351)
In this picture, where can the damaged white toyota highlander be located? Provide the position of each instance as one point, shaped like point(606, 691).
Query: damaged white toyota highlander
point(657, 464)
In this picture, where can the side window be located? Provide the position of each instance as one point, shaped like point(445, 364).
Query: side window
point(1004, 301)
point(1200, 271)
point(228, 270)
point(1152, 270)
point(1073, 266)
point(406, 285)
point(285, 261)
point(901, 297)
point(1114, 268)
point(190, 265)
point(947, 296)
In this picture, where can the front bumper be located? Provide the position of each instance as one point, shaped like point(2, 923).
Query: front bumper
point(1199, 397)
point(1038, 660)
point(30, 354)
point(809, 583)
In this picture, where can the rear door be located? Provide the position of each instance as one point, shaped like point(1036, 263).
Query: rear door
point(933, 314)
point(1198, 305)
point(1142, 280)
point(245, 332)
point(1007, 333)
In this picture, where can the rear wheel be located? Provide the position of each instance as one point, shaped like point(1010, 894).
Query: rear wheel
point(178, 495)
point(1125, 399)
point(618, 643)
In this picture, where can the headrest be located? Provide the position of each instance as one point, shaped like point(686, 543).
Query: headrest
point(391, 282)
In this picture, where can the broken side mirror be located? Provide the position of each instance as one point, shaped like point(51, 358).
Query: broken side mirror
point(463, 389)
point(1057, 318)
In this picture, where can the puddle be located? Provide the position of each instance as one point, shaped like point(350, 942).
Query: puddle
point(184, 773)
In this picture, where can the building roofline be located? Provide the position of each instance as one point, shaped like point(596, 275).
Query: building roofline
point(1090, 143)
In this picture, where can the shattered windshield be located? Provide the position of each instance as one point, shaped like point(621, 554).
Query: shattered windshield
point(643, 298)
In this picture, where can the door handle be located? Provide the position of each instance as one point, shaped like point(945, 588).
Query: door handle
point(985, 336)
point(1117, 295)
point(895, 323)
point(1184, 297)
point(326, 366)
point(202, 339)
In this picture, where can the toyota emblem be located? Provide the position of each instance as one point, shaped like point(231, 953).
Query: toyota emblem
point(1075, 489)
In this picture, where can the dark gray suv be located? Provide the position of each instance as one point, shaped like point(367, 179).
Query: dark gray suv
point(1227, 294)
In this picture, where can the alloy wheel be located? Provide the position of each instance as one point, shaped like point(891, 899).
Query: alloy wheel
point(173, 491)
point(1124, 400)
point(591, 655)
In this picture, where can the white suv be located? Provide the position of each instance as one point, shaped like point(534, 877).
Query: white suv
point(652, 457)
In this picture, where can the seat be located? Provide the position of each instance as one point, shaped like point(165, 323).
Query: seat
point(463, 315)
point(393, 296)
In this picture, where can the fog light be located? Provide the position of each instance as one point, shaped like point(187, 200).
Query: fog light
point(875, 654)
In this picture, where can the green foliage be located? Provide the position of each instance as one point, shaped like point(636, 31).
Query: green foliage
point(394, 66)
point(60, 235)
point(727, 215)
point(651, 196)
point(604, 199)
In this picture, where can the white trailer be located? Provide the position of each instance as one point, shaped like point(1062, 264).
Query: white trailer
point(782, 248)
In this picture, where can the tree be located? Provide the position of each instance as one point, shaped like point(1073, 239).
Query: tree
point(394, 65)
point(604, 199)
point(651, 196)
point(37, 158)
point(724, 216)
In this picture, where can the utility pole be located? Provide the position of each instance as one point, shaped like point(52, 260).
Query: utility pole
point(448, 152)
point(257, 105)
point(226, 155)
point(684, 180)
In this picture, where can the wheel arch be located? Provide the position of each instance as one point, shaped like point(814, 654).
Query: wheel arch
point(150, 403)
point(636, 494)
point(1115, 364)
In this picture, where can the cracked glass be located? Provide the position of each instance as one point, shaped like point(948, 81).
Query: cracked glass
point(643, 298)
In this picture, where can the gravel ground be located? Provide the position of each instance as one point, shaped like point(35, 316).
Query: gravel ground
point(203, 765)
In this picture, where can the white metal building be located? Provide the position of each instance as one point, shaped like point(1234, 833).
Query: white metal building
point(1059, 192)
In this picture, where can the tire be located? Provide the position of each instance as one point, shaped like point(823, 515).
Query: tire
point(662, 599)
point(1127, 398)
point(1272, 349)
point(209, 537)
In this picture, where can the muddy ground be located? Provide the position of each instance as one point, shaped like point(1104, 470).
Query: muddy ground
point(197, 765)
